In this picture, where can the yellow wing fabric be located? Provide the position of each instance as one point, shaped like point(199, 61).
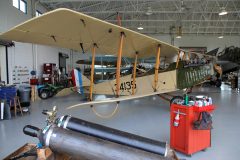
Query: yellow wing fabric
point(69, 29)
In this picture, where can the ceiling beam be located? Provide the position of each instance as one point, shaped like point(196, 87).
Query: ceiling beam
point(167, 27)
point(194, 33)
point(166, 20)
point(91, 5)
point(54, 1)
point(157, 12)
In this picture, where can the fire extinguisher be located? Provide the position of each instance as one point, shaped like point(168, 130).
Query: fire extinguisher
point(176, 120)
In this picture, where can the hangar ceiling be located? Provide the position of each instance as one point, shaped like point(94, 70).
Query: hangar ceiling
point(195, 17)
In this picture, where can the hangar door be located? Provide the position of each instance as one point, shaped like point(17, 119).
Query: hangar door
point(3, 65)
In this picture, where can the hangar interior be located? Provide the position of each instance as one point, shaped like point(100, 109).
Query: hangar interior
point(195, 25)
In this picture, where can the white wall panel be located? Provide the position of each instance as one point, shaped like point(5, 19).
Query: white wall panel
point(11, 16)
point(19, 55)
point(45, 54)
point(3, 68)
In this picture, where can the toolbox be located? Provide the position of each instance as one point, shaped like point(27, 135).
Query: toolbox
point(183, 136)
point(48, 72)
point(48, 68)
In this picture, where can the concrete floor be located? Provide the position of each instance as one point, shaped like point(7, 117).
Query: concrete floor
point(147, 117)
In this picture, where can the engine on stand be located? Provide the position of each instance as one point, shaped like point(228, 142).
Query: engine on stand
point(80, 139)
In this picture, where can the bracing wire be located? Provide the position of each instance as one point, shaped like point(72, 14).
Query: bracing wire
point(105, 116)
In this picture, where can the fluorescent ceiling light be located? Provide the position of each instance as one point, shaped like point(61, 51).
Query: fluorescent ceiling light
point(140, 27)
point(179, 32)
point(220, 37)
point(223, 12)
point(149, 11)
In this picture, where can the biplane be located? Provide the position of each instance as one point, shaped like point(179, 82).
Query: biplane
point(70, 29)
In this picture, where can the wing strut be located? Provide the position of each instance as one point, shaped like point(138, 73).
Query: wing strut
point(92, 71)
point(157, 67)
point(184, 56)
point(178, 58)
point(119, 64)
point(134, 74)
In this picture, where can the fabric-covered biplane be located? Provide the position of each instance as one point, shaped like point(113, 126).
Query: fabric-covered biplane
point(70, 29)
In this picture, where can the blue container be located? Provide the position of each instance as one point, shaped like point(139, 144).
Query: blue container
point(8, 93)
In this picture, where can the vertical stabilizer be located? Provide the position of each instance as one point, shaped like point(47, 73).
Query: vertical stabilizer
point(79, 80)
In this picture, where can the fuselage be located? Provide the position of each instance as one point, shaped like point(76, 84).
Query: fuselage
point(171, 79)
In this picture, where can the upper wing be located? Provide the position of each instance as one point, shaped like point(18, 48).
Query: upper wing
point(70, 29)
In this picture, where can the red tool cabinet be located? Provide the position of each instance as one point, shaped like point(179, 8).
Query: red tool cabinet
point(183, 137)
point(48, 68)
point(48, 71)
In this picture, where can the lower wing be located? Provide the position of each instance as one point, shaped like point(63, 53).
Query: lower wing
point(123, 98)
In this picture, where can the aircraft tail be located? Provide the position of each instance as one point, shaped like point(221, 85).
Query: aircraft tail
point(213, 52)
point(79, 80)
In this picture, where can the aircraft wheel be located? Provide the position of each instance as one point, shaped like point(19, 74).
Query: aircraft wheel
point(176, 99)
point(218, 83)
point(44, 94)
